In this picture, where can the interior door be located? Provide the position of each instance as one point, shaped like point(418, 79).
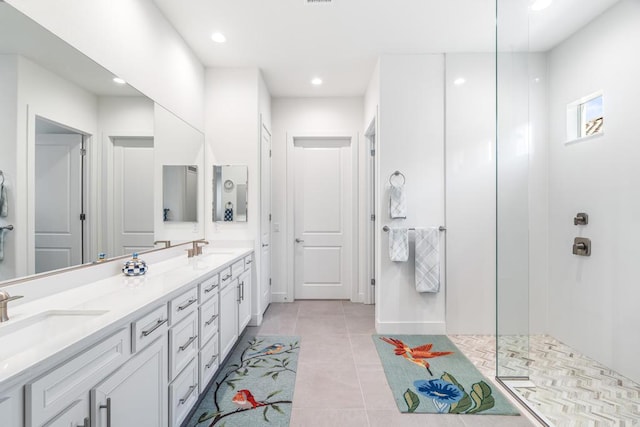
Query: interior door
point(323, 218)
point(132, 206)
point(265, 218)
point(58, 201)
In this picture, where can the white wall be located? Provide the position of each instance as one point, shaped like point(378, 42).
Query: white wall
point(593, 301)
point(411, 140)
point(132, 39)
point(300, 115)
point(470, 193)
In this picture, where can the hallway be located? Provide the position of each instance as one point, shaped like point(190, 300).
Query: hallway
point(340, 379)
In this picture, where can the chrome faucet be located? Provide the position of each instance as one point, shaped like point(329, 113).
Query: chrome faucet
point(4, 299)
point(167, 243)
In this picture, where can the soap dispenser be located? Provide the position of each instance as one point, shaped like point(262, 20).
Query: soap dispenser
point(135, 266)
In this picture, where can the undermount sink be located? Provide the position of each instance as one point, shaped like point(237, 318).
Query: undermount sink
point(23, 334)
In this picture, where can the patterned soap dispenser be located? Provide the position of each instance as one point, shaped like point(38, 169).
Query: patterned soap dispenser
point(135, 266)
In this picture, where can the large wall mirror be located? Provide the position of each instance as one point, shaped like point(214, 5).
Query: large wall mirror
point(80, 156)
point(230, 193)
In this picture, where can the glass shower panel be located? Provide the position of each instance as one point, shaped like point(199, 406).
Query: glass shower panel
point(512, 192)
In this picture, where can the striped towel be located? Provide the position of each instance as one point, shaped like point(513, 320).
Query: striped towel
point(399, 244)
point(427, 259)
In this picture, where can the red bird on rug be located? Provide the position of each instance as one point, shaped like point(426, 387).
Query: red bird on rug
point(415, 355)
point(245, 400)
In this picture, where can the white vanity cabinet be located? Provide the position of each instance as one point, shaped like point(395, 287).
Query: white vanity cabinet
point(136, 394)
point(228, 318)
point(244, 303)
point(11, 407)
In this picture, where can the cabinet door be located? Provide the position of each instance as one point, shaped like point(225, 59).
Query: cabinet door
point(228, 318)
point(136, 394)
point(77, 415)
point(244, 306)
point(11, 407)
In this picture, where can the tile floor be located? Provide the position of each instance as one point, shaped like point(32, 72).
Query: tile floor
point(340, 381)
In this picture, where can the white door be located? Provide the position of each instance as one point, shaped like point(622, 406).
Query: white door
point(265, 217)
point(132, 205)
point(323, 220)
point(58, 201)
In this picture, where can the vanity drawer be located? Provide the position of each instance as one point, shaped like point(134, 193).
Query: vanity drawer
point(180, 307)
point(183, 394)
point(209, 287)
point(209, 362)
point(225, 277)
point(53, 392)
point(237, 268)
point(183, 344)
point(248, 260)
point(208, 320)
point(146, 329)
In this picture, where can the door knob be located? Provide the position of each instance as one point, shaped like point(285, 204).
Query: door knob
point(299, 241)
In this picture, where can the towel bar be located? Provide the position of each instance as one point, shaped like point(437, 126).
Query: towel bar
point(386, 228)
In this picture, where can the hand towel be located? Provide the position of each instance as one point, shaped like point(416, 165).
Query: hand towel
point(397, 202)
point(4, 202)
point(427, 259)
point(399, 244)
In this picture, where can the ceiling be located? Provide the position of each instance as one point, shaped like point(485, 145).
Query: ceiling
point(20, 35)
point(292, 41)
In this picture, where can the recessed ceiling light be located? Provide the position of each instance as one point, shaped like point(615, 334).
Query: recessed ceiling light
point(316, 82)
point(119, 80)
point(218, 37)
point(540, 4)
point(459, 81)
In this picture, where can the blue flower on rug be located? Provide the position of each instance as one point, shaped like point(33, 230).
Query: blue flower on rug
point(441, 392)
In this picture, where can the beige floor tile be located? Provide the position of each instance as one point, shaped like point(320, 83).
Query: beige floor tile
point(375, 389)
point(326, 386)
point(326, 349)
point(394, 418)
point(364, 351)
point(313, 308)
point(351, 309)
point(321, 324)
point(360, 324)
point(328, 418)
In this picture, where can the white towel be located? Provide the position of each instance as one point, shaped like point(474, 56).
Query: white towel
point(428, 259)
point(399, 244)
point(4, 203)
point(397, 202)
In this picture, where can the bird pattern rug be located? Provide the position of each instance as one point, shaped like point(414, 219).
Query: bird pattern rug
point(429, 374)
point(254, 387)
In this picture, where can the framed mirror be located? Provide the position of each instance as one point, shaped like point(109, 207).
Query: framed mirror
point(230, 193)
point(180, 193)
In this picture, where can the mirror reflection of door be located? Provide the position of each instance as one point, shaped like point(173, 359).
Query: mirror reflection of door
point(58, 196)
point(132, 206)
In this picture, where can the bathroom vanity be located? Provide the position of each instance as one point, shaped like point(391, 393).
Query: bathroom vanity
point(123, 351)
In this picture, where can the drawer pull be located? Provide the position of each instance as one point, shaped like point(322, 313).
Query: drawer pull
point(210, 364)
point(86, 423)
point(209, 289)
point(187, 304)
point(159, 323)
point(249, 261)
point(227, 277)
point(186, 396)
point(210, 321)
point(188, 343)
point(108, 408)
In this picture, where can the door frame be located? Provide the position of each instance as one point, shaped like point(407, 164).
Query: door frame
point(262, 263)
point(371, 205)
point(290, 235)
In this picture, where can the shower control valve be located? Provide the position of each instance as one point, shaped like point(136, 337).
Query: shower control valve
point(581, 218)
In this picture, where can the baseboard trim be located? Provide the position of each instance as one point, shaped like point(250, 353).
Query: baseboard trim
point(414, 328)
point(279, 297)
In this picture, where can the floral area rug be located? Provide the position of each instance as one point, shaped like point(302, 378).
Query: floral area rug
point(254, 387)
point(429, 374)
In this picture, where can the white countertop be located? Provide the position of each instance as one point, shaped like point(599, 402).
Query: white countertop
point(122, 299)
